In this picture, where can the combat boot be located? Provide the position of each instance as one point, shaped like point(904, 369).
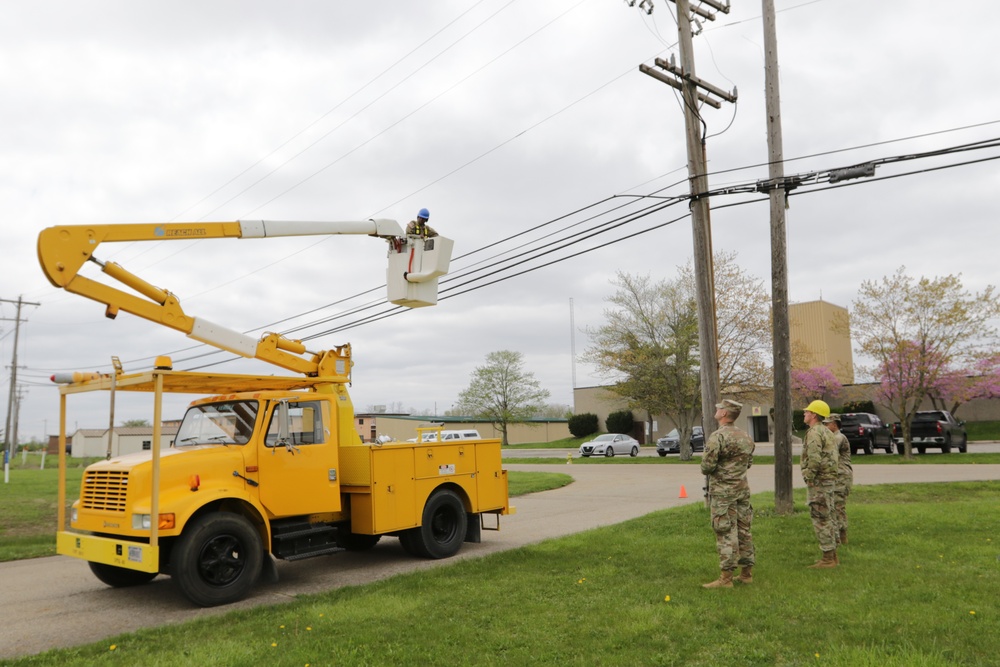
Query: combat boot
point(746, 575)
point(725, 580)
point(843, 536)
point(829, 559)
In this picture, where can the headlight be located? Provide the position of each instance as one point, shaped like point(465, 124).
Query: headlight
point(140, 522)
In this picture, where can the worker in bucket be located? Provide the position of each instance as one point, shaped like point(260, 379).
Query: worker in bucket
point(419, 227)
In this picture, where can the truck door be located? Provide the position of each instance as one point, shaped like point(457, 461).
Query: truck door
point(298, 461)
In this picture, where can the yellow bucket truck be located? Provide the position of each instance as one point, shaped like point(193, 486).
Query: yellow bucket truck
point(262, 466)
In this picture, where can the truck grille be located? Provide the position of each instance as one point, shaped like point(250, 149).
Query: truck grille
point(104, 490)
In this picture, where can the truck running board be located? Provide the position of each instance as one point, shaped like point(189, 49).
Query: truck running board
point(298, 539)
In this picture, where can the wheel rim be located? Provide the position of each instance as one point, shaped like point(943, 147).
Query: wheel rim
point(444, 525)
point(221, 562)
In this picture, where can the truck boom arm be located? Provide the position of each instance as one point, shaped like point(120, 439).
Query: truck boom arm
point(63, 250)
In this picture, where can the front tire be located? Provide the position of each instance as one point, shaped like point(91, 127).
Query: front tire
point(964, 446)
point(870, 447)
point(441, 530)
point(635, 452)
point(609, 452)
point(218, 559)
point(120, 577)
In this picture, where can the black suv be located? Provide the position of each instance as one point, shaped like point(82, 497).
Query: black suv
point(671, 442)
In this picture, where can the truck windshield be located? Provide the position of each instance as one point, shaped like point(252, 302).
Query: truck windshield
point(226, 423)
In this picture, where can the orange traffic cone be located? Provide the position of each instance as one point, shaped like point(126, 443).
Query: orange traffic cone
point(684, 493)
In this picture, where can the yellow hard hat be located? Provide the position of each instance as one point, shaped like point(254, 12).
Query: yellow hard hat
point(819, 408)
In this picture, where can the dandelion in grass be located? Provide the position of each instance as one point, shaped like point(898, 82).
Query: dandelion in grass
point(274, 644)
point(666, 599)
point(114, 646)
point(580, 581)
point(308, 628)
point(817, 656)
point(973, 612)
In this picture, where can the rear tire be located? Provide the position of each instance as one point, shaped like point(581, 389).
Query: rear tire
point(441, 530)
point(120, 577)
point(218, 559)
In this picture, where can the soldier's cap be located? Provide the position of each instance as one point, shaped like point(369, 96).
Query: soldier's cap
point(730, 405)
point(832, 418)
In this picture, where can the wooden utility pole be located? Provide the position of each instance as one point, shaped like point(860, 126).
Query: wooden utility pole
point(8, 449)
point(688, 83)
point(783, 503)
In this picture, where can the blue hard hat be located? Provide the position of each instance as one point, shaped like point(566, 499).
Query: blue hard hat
point(424, 213)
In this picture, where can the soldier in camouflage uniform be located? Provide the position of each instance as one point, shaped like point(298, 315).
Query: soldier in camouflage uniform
point(819, 470)
point(845, 477)
point(728, 454)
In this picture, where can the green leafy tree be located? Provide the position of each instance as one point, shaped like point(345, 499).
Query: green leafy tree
point(135, 422)
point(916, 331)
point(648, 346)
point(503, 392)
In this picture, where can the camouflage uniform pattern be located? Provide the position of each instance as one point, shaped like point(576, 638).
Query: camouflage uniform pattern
point(819, 461)
point(845, 480)
point(727, 456)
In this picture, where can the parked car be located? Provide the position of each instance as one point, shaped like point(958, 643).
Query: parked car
point(671, 442)
point(610, 444)
point(866, 432)
point(933, 428)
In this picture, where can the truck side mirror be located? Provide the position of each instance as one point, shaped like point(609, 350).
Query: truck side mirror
point(284, 428)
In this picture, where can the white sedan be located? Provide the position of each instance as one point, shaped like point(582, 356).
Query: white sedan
point(610, 444)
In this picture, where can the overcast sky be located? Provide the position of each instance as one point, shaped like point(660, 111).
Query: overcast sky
point(503, 118)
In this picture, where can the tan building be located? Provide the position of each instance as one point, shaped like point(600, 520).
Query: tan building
point(820, 333)
point(90, 442)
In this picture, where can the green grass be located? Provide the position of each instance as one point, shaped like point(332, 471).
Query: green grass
point(983, 430)
point(917, 587)
point(29, 502)
point(858, 459)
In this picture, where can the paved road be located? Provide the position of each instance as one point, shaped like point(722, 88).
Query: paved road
point(56, 602)
point(761, 449)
